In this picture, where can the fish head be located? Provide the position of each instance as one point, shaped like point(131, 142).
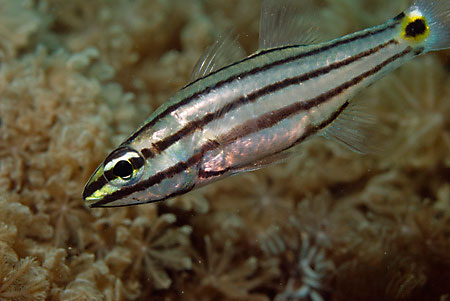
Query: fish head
point(123, 168)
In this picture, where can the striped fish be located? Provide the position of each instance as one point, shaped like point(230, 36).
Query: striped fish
point(252, 112)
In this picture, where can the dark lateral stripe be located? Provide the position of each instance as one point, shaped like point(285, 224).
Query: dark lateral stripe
point(311, 130)
point(147, 153)
point(256, 70)
point(177, 193)
point(252, 97)
point(400, 16)
point(319, 50)
point(94, 186)
point(280, 115)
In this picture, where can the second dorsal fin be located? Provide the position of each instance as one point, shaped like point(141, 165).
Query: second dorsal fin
point(225, 50)
point(282, 24)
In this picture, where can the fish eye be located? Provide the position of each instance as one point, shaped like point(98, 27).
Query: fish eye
point(123, 169)
point(124, 166)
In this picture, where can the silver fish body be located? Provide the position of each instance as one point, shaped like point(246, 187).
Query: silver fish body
point(248, 114)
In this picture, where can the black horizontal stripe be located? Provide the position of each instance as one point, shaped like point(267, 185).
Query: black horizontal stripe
point(94, 186)
point(252, 97)
point(187, 100)
point(137, 162)
point(147, 153)
point(274, 118)
point(177, 193)
point(400, 16)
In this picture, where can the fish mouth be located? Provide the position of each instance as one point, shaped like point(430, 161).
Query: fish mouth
point(89, 200)
point(86, 194)
point(91, 192)
point(88, 197)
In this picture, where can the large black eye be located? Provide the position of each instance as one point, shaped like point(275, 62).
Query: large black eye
point(123, 169)
point(124, 166)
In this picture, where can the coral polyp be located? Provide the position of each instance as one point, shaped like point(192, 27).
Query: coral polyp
point(329, 224)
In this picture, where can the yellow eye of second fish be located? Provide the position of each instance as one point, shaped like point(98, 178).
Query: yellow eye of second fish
point(415, 28)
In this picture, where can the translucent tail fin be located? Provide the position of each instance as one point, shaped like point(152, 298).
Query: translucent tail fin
point(436, 17)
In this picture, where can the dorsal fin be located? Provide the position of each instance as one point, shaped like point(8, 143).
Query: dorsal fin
point(225, 50)
point(282, 24)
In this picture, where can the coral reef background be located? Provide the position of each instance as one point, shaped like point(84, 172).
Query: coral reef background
point(76, 77)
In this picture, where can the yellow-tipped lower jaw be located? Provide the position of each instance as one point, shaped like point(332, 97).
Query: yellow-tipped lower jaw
point(97, 188)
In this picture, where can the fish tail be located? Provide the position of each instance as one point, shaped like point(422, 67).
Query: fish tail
point(427, 24)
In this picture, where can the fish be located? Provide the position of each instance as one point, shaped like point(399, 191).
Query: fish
point(242, 114)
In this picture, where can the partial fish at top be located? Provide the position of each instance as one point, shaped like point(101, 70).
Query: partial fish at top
point(251, 113)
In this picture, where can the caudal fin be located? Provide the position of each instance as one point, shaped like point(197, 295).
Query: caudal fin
point(428, 21)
